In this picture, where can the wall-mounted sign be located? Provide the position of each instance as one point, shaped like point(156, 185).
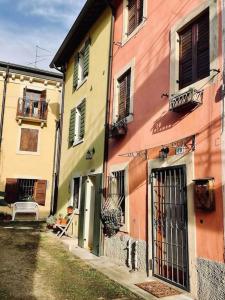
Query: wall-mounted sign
point(180, 150)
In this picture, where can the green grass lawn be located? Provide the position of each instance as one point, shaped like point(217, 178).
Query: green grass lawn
point(34, 265)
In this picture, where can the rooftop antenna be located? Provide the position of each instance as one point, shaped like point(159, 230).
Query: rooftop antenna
point(40, 57)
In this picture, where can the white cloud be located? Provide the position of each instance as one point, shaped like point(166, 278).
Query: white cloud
point(54, 10)
point(18, 41)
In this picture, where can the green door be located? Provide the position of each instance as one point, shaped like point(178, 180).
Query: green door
point(97, 216)
point(82, 213)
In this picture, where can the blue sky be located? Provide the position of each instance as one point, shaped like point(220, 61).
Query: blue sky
point(27, 23)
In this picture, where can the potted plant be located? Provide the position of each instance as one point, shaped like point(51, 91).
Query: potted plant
point(51, 220)
point(59, 219)
point(69, 210)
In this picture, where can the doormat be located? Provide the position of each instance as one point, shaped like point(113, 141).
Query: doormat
point(158, 289)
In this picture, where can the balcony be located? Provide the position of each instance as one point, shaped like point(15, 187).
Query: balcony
point(32, 110)
point(185, 101)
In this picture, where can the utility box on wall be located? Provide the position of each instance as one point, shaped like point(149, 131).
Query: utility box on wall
point(204, 194)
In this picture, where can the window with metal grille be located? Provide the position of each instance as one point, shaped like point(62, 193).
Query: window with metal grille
point(194, 62)
point(26, 189)
point(124, 83)
point(135, 14)
point(116, 191)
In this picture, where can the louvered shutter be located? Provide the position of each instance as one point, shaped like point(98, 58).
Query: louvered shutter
point(186, 57)
point(29, 140)
point(131, 16)
point(11, 190)
point(122, 98)
point(43, 95)
point(75, 73)
point(194, 61)
point(40, 191)
point(128, 82)
point(72, 126)
point(140, 10)
point(86, 57)
point(203, 61)
point(82, 119)
point(124, 95)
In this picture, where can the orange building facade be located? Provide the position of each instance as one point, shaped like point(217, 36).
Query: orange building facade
point(164, 166)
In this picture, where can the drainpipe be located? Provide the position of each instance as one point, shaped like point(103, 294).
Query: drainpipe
point(57, 154)
point(109, 85)
point(223, 116)
point(3, 105)
point(54, 175)
point(107, 113)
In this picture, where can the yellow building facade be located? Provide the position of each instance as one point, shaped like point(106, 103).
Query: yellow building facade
point(83, 137)
point(30, 104)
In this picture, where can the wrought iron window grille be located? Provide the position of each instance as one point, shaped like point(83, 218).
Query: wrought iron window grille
point(187, 100)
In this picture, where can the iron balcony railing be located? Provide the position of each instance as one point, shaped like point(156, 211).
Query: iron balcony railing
point(36, 110)
point(185, 101)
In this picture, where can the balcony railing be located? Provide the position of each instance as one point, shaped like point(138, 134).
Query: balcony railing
point(34, 110)
point(186, 101)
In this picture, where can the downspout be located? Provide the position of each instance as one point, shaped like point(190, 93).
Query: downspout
point(57, 126)
point(57, 154)
point(3, 105)
point(223, 118)
point(107, 113)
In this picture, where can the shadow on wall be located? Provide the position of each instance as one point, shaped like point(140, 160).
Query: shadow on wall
point(55, 109)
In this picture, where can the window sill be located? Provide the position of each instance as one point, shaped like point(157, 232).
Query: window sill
point(81, 83)
point(198, 85)
point(78, 143)
point(127, 37)
point(127, 119)
point(28, 153)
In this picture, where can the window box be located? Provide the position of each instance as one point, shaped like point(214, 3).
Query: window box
point(118, 129)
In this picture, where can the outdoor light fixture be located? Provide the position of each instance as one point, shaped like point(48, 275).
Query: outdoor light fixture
point(163, 153)
point(90, 153)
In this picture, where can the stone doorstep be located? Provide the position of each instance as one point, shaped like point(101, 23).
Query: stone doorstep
point(120, 274)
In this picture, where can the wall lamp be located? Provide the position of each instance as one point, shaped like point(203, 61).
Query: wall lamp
point(163, 153)
point(90, 153)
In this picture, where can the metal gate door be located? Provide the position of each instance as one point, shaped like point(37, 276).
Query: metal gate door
point(169, 225)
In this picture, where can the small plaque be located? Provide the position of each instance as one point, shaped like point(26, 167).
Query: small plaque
point(180, 150)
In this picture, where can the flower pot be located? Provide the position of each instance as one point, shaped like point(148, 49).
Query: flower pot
point(69, 210)
point(63, 221)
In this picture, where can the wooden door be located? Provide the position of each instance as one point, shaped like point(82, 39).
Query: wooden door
point(97, 214)
point(81, 225)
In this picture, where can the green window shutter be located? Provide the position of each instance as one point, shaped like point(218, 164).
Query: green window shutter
point(75, 73)
point(86, 57)
point(83, 114)
point(72, 126)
